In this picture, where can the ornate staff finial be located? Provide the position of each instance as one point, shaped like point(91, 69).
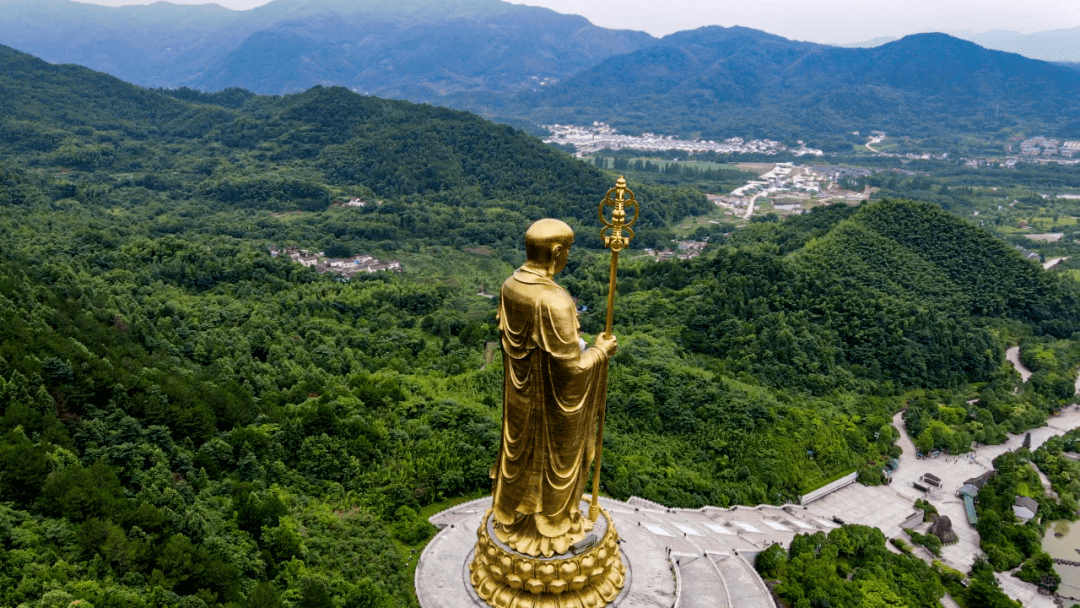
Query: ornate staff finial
point(616, 241)
point(616, 233)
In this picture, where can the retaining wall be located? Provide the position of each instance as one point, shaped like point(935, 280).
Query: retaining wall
point(825, 490)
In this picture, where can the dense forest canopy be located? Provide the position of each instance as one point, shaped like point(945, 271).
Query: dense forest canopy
point(187, 420)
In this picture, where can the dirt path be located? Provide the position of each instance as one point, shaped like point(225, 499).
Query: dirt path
point(750, 209)
point(1013, 355)
point(1048, 264)
point(905, 442)
point(874, 140)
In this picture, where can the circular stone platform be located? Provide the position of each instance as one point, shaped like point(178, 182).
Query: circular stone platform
point(589, 577)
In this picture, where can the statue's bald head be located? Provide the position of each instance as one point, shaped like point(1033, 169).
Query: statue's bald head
point(542, 237)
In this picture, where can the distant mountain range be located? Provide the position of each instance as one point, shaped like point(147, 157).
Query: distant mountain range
point(528, 66)
point(86, 122)
point(713, 82)
point(1056, 46)
point(1053, 45)
point(413, 49)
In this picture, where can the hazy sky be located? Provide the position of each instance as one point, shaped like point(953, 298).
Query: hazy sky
point(815, 20)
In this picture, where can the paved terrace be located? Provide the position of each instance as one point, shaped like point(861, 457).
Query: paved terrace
point(676, 557)
point(691, 558)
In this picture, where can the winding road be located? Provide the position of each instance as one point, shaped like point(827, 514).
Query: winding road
point(750, 209)
point(1013, 355)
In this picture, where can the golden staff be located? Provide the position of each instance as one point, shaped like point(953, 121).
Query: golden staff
point(620, 197)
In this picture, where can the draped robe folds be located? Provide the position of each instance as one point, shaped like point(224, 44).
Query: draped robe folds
point(552, 393)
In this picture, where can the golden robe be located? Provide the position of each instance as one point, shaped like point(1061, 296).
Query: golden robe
point(552, 393)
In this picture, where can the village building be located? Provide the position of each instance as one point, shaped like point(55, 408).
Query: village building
point(345, 267)
point(600, 136)
point(1025, 508)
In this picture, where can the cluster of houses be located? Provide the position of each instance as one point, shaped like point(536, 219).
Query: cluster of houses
point(602, 136)
point(355, 202)
point(784, 177)
point(687, 250)
point(798, 183)
point(1044, 146)
point(346, 267)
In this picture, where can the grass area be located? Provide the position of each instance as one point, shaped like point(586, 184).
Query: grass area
point(704, 165)
point(686, 228)
point(814, 483)
point(758, 168)
point(697, 164)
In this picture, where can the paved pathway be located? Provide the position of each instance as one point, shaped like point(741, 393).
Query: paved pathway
point(750, 208)
point(701, 586)
point(887, 507)
point(1013, 355)
point(740, 575)
point(1025, 593)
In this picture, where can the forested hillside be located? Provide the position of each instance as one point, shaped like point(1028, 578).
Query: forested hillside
point(187, 420)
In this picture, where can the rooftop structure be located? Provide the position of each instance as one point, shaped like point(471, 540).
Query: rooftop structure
point(1025, 507)
point(968, 490)
point(981, 480)
point(969, 508)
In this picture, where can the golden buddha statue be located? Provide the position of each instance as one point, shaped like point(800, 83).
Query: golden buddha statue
point(553, 390)
point(536, 547)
